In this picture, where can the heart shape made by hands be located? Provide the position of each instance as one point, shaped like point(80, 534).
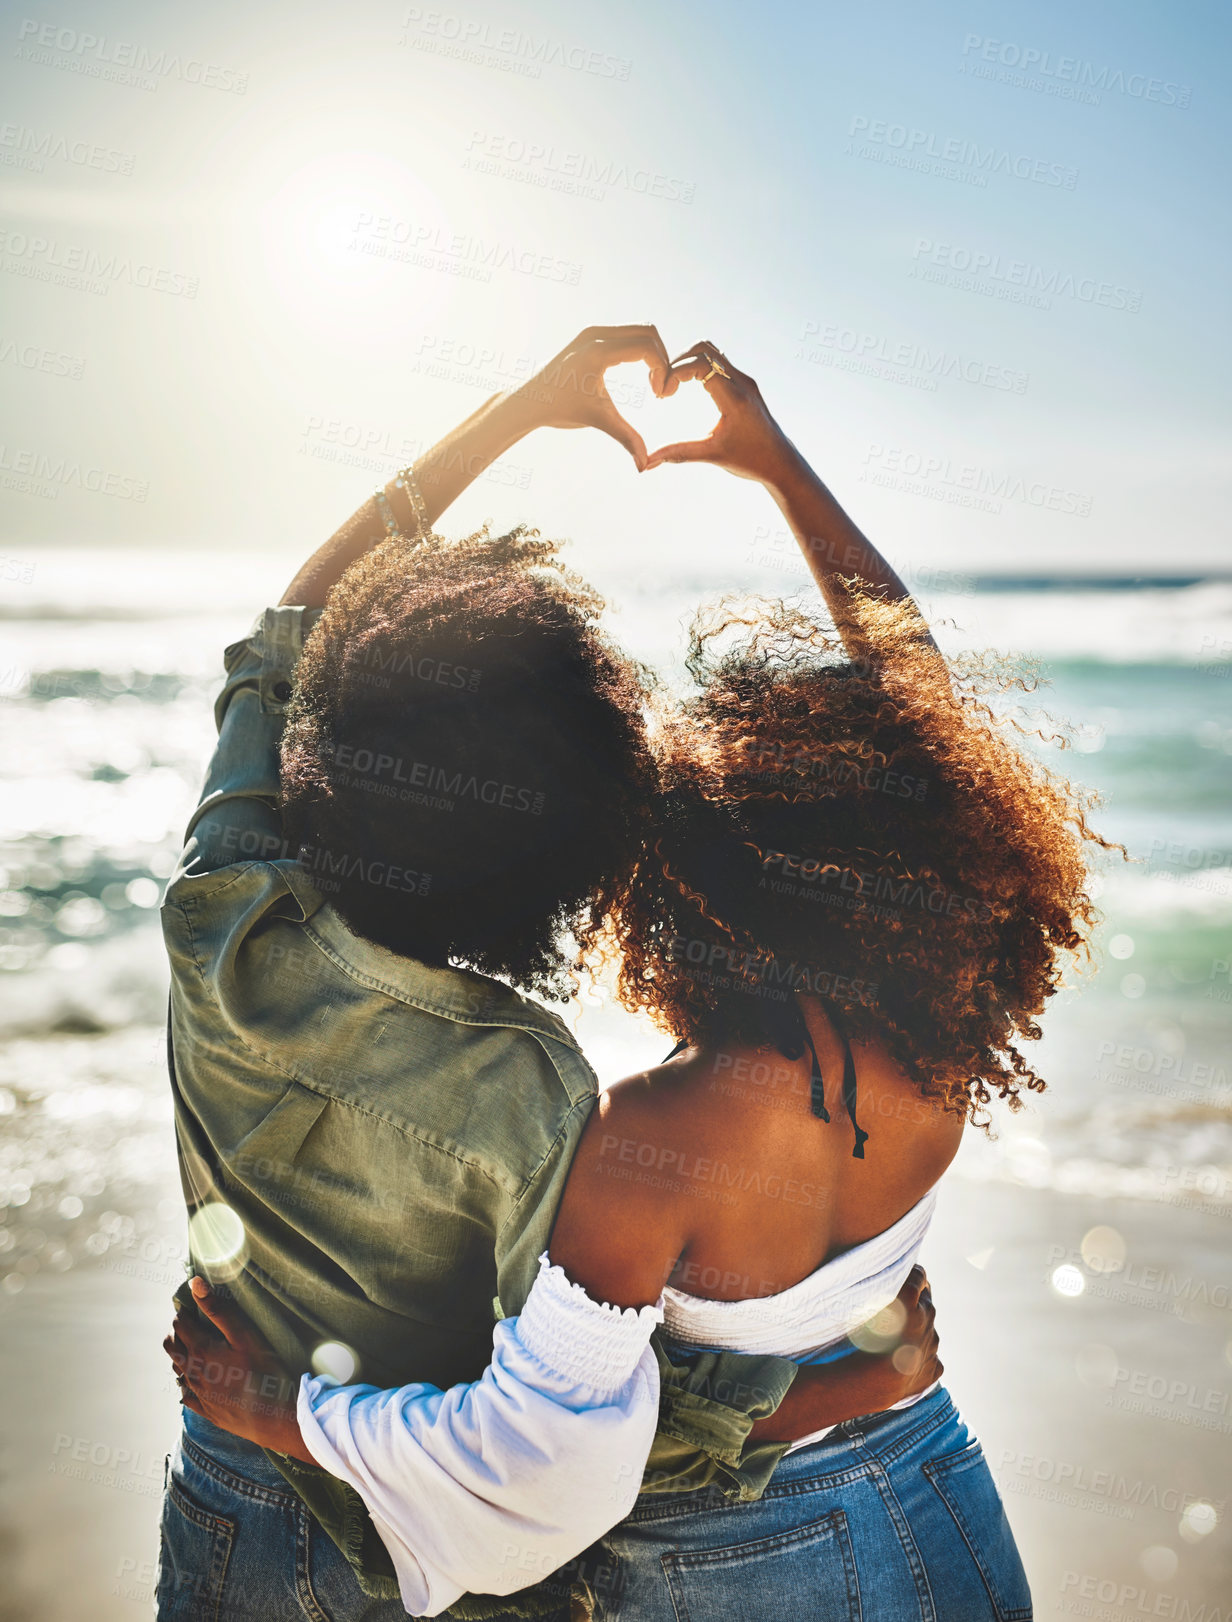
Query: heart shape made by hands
point(690, 413)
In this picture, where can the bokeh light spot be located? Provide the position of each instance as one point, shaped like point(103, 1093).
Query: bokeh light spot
point(1067, 1280)
point(1198, 1521)
point(217, 1240)
point(1159, 1562)
point(1103, 1250)
point(334, 1358)
point(882, 1330)
point(142, 892)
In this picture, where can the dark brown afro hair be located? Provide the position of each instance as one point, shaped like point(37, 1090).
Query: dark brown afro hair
point(868, 830)
point(464, 767)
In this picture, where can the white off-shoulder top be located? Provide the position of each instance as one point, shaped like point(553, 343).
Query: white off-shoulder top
point(489, 1487)
point(814, 1317)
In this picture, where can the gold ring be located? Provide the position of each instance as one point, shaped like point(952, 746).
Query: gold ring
point(715, 366)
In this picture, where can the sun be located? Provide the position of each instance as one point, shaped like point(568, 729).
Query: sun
point(328, 232)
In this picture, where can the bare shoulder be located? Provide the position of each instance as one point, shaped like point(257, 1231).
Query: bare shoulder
point(641, 1123)
point(658, 1099)
point(620, 1226)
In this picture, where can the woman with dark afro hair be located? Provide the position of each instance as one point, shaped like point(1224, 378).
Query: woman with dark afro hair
point(858, 892)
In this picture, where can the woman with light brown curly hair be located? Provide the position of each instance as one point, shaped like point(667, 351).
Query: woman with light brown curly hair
point(860, 894)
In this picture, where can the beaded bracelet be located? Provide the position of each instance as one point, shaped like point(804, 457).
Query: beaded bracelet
point(387, 515)
point(405, 481)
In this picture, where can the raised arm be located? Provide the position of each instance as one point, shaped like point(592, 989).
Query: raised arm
point(748, 442)
point(569, 392)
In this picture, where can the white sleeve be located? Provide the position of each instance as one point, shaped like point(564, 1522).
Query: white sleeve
point(488, 1487)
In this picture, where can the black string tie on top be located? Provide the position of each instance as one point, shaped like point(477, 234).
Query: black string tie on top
point(849, 1083)
point(791, 1049)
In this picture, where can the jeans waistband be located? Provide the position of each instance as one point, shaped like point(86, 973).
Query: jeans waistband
point(231, 1452)
point(884, 1435)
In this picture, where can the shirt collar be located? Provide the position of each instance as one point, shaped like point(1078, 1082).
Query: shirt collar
point(458, 994)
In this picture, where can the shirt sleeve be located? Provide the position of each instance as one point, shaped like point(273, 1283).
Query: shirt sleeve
point(708, 1404)
point(237, 817)
point(491, 1486)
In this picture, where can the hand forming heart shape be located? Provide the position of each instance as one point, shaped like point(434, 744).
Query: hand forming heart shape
point(744, 439)
point(679, 413)
point(571, 391)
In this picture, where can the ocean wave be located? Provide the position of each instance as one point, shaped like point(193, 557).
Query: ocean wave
point(1171, 1150)
point(1181, 617)
point(1164, 900)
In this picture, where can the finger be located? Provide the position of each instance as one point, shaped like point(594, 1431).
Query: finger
point(908, 1361)
point(914, 1326)
point(613, 424)
point(686, 371)
point(191, 1340)
point(923, 1325)
point(229, 1323)
point(193, 1336)
point(694, 450)
point(621, 344)
point(710, 358)
point(189, 1399)
point(704, 347)
point(914, 1285)
point(918, 1326)
point(924, 1303)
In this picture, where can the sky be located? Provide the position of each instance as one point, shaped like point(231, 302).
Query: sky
point(255, 257)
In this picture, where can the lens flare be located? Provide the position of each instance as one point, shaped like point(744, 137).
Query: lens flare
point(1067, 1280)
point(1198, 1521)
point(334, 1358)
point(882, 1330)
point(1103, 1250)
point(217, 1240)
point(1159, 1562)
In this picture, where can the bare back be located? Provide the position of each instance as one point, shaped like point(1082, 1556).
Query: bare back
point(712, 1172)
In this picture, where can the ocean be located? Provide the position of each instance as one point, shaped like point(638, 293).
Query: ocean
point(108, 668)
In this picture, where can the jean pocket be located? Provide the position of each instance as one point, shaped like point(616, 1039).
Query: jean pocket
point(194, 1551)
point(968, 1491)
point(807, 1571)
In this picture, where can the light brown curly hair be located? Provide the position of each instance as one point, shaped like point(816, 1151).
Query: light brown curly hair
point(869, 830)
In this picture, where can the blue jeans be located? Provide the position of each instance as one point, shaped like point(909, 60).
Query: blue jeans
point(238, 1543)
point(892, 1518)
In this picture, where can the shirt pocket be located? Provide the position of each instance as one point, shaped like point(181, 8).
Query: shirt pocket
point(271, 1151)
point(807, 1570)
point(965, 1484)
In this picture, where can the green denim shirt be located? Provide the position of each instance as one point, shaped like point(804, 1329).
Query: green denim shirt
point(372, 1150)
